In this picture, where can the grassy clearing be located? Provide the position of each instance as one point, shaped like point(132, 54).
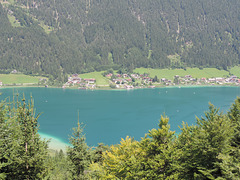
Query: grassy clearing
point(100, 79)
point(235, 71)
point(7, 2)
point(18, 79)
point(194, 72)
point(175, 59)
point(11, 1)
point(13, 21)
point(46, 28)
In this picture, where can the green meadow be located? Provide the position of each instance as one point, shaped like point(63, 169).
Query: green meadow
point(13, 21)
point(19, 79)
point(194, 72)
point(235, 71)
point(46, 28)
point(100, 79)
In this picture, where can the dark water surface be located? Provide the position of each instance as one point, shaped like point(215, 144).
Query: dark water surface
point(109, 116)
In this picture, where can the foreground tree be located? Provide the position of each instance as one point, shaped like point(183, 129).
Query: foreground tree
point(202, 148)
point(150, 158)
point(78, 154)
point(160, 152)
point(234, 115)
point(231, 161)
point(59, 166)
point(122, 161)
point(22, 152)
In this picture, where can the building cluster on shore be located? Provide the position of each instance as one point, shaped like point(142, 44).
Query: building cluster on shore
point(81, 83)
point(130, 81)
point(189, 80)
point(143, 80)
point(134, 80)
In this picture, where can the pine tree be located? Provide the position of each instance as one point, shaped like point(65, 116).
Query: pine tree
point(7, 142)
point(159, 149)
point(202, 148)
point(23, 153)
point(231, 161)
point(234, 115)
point(59, 166)
point(78, 153)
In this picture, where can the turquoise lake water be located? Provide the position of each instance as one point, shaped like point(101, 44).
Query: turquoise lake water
point(109, 116)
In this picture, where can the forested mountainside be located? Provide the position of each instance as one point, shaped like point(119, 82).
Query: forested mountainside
point(58, 37)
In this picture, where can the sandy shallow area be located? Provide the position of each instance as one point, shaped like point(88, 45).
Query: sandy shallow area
point(55, 143)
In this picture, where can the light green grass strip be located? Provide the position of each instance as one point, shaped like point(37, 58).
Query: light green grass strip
point(235, 71)
point(194, 72)
point(13, 21)
point(100, 79)
point(11, 1)
point(46, 28)
point(18, 78)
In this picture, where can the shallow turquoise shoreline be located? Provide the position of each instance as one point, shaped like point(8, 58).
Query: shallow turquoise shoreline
point(54, 143)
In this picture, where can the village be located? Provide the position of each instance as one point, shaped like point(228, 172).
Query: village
point(76, 81)
point(136, 81)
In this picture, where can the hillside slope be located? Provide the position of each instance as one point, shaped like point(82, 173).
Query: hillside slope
point(74, 36)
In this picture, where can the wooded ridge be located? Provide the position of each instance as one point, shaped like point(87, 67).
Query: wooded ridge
point(69, 36)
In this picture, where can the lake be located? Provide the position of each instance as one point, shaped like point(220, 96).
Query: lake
point(109, 116)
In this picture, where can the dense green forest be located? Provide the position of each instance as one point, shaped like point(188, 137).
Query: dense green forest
point(59, 37)
point(208, 150)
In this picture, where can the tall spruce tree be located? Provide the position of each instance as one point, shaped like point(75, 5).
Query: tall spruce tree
point(202, 148)
point(234, 115)
point(231, 162)
point(78, 153)
point(159, 149)
point(23, 153)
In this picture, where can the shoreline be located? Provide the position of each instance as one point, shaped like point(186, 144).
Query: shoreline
point(54, 143)
point(121, 89)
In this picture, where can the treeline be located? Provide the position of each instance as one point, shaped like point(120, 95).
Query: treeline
point(101, 34)
point(208, 150)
